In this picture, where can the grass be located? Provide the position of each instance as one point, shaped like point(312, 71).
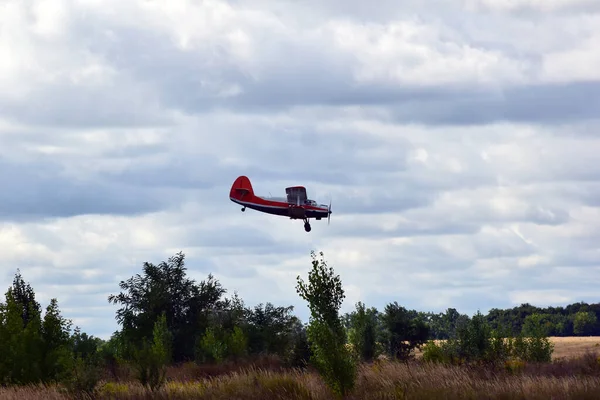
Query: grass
point(575, 374)
point(568, 347)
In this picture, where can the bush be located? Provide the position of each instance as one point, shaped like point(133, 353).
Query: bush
point(433, 353)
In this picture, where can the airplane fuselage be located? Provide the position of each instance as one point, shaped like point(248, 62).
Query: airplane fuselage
point(282, 208)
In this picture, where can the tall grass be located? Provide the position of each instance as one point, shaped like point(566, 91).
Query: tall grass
point(564, 379)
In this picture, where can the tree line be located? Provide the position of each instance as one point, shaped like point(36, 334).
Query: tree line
point(167, 318)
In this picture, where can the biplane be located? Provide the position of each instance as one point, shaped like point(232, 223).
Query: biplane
point(296, 204)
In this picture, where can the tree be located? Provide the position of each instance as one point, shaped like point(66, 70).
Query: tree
point(21, 346)
point(270, 329)
point(363, 331)
point(474, 339)
point(584, 323)
point(164, 288)
point(154, 355)
point(326, 333)
point(56, 337)
point(405, 331)
point(538, 321)
point(24, 295)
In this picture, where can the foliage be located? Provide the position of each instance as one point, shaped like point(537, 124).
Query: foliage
point(326, 333)
point(405, 331)
point(584, 322)
point(270, 329)
point(84, 378)
point(153, 356)
point(164, 288)
point(211, 347)
point(363, 332)
point(476, 342)
point(300, 353)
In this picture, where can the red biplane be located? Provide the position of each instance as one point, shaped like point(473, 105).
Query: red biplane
point(295, 206)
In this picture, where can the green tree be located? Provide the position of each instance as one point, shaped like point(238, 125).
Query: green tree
point(584, 323)
point(154, 355)
point(270, 329)
point(237, 343)
point(210, 346)
point(405, 331)
point(164, 288)
point(21, 345)
point(56, 337)
point(362, 333)
point(326, 333)
point(475, 339)
point(300, 352)
point(534, 345)
point(538, 321)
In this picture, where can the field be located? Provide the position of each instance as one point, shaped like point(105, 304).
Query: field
point(574, 374)
point(569, 347)
point(574, 346)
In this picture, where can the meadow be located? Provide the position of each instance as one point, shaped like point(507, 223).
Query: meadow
point(573, 374)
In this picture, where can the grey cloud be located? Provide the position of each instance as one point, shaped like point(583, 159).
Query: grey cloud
point(308, 76)
point(543, 104)
point(70, 105)
point(157, 74)
point(31, 191)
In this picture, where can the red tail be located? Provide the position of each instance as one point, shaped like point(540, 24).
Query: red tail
point(241, 189)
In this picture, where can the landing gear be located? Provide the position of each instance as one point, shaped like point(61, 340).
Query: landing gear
point(306, 225)
point(243, 209)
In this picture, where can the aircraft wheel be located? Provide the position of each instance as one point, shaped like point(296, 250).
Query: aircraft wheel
point(243, 209)
point(307, 227)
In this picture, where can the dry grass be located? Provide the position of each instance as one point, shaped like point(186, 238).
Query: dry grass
point(574, 378)
point(568, 347)
point(575, 374)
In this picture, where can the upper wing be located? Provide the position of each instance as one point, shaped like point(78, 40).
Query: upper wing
point(296, 194)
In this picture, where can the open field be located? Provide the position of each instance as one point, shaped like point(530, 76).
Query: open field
point(574, 346)
point(568, 347)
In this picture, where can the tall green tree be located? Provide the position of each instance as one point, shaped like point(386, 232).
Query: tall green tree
point(21, 345)
point(270, 329)
point(363, 331)
point(584, 323)
point(326, 333)
point(165, 288)
point(57, 350)
point(406, 331)
point(154, 355)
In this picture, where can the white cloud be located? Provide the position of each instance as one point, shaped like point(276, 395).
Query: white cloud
point(457, 142)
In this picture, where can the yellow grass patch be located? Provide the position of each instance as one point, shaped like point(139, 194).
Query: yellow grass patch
point(571, 347)
point(564, 347)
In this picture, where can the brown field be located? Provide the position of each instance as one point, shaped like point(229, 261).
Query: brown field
point(568, 347)
point(575, 374)
point(574, 346)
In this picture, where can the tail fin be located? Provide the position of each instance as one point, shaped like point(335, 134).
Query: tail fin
point(241, 189)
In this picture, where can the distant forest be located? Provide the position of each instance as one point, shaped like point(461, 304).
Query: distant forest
point(577, 319)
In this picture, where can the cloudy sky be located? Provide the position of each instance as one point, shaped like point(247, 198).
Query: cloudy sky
point(457, 139)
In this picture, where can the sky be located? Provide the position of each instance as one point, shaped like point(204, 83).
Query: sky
point(456, 139)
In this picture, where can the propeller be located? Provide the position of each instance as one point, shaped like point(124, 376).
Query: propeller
point(329, 212)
